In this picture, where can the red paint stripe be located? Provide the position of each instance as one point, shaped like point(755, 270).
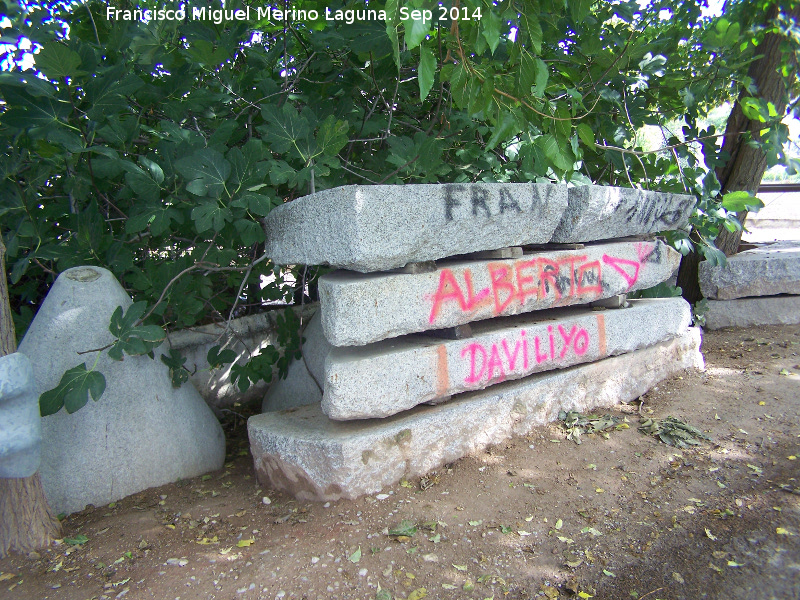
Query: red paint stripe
point(601, 334)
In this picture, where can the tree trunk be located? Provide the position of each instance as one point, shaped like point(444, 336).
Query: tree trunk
point(26, 521)
point(746, 165)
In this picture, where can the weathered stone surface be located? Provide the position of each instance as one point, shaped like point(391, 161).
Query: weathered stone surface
point(596, 212)
point(20, 423)
point(299, 387)
point(744, 312)
point(382, 227)
point(313, 458)
point(141, 433)
point(768, 270)
point(358, 309)
point(391, 376)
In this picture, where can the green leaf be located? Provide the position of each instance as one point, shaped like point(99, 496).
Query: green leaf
point(753, 109)
point(426, 71)
point(73, 391)
point(77, 540)
point(133, 339)
point(257, 204)
point(57, 61)
point(535, 32)
point(554, 152)
point(415, 31)
point(249, 232)
point(392, 21)
point(527, 71)
point(284, 129)
point(144, 185)
point(26, 112)
point(208, 215)
point(586, 135)
point(503, 130)
point(107, 94)
point(331, 136)
point(178, 374)
point(579, 9)
point(491, 30)
point(281, 172)
point(740, 201)
point(158, 217)
point(247, 164)
point(405, 528)
point(207, 171)
point(542, 75)
point(217, 359)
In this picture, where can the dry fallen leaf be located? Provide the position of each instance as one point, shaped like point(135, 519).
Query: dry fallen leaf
point(418, 594)
point(245, 543)
point(355, 556)
point(551, 593)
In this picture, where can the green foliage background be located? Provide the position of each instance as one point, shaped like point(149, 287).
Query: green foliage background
point(156, 149)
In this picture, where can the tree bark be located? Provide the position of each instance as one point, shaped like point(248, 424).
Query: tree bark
point(26, 521)
point(746, 165)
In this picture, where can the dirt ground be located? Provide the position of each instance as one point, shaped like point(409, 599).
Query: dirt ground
point(536, 517)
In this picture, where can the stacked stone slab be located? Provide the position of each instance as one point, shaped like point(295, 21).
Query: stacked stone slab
point(473, 298)
point(760, 286)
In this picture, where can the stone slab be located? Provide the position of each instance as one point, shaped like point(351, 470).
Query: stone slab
point(388, 377)
point(596, 212)
point(768, 270)
point(383, 227)
point(359, 309)
point(745, 312)
point(300, 387)
point(20, 423)
point(306, 454)
point(141, 433)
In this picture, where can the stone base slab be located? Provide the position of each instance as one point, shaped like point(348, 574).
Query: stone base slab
point(306, 454)
point(358, 309)
point(391, 376)
point(745, 312)
point(768, 270)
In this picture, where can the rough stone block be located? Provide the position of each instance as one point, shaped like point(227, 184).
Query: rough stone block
point(745, 312)
point(300, 387)
point(768, 270)
point(141, 433)
point(382, 227)
point(20, 423)
point(359, 309)
point(388, 377)
point(596, 212)
point(313, 458)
